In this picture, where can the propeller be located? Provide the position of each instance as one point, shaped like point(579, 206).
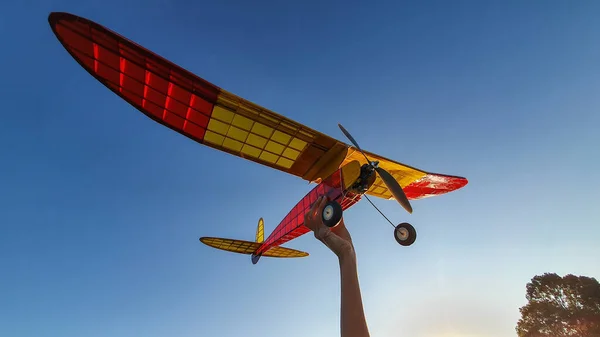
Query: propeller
point(387, 178)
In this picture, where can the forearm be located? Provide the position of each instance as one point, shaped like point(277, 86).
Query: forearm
point(353, 322)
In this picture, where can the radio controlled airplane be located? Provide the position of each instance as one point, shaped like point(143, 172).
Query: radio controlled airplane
point(209, 115)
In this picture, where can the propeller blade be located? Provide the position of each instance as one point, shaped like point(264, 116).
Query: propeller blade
point(387, 178)
point(395, 188)
point(349, 136)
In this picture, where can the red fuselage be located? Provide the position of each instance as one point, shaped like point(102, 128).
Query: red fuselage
point(292, 226)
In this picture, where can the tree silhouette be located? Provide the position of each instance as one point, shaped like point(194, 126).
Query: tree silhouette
point(560, 307)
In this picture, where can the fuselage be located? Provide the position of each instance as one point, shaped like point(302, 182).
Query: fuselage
point(340, 186)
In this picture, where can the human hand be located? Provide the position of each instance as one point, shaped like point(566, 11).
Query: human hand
point(337, 239)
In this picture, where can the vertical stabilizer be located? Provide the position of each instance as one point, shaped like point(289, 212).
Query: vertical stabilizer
point(260, 231)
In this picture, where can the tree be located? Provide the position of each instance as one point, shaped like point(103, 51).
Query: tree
point(560, 307)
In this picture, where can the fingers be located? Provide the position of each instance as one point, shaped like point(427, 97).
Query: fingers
point(312, 218)
point(309, 216)
point(321, 201)
point(314, 208)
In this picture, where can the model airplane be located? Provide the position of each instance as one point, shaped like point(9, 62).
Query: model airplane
point(181, 101)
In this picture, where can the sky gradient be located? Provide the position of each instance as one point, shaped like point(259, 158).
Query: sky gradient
point(101, 208)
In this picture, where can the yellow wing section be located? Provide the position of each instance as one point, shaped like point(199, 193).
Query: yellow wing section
point(249, 247)
point(250, 131)
point(266, 137)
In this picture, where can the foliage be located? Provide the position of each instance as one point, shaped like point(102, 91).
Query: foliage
point(561, 306)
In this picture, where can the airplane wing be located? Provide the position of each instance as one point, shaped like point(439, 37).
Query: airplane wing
point(209, 115)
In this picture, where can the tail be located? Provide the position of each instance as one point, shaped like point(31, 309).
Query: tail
point(260, 231)
point(249, 247)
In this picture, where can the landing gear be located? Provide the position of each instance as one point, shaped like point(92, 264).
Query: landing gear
point(332, 213)
point(405, 234)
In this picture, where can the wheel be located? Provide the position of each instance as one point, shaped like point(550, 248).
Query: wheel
point(405, 234)
point(332, 213)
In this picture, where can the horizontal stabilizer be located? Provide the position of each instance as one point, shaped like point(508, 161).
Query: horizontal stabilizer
point(279, 251)
point(249, 247)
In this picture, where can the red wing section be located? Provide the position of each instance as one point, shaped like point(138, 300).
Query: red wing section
point(163, 91)
point(292, 226)
point(433, 184)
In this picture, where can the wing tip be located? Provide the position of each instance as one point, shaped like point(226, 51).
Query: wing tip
point(433, 184)
point(56, 17)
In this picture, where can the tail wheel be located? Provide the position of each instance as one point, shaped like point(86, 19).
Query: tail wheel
point(332, 213)
point(405, 234)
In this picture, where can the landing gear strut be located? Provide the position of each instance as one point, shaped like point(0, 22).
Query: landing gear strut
point(405, 234)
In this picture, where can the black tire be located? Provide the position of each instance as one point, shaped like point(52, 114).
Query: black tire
point(332, 213)
point(405, 234)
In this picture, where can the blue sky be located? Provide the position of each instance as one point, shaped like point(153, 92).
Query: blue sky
point(102, 208)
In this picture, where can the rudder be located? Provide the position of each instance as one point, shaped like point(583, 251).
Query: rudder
point(260, 231)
